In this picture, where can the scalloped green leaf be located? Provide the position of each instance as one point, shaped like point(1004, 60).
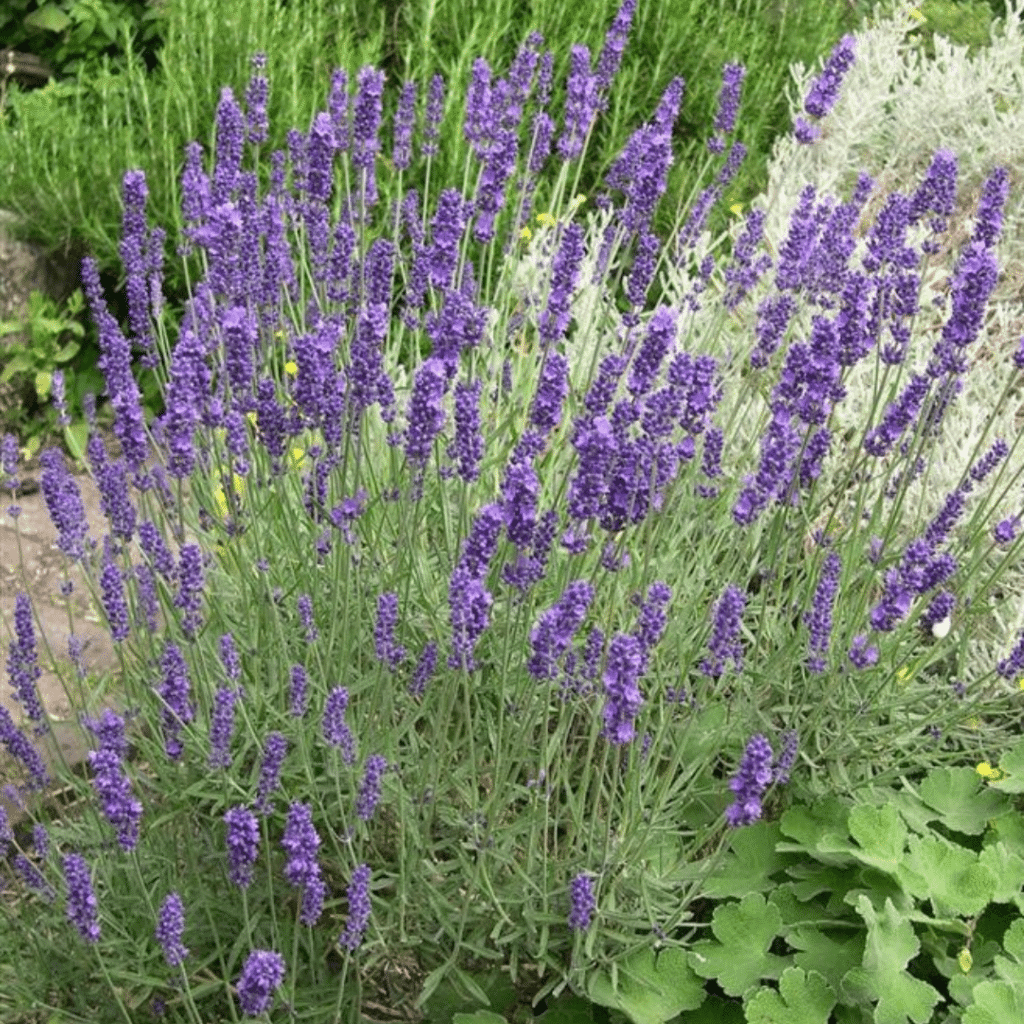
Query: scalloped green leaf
point(995, 1002)
point(1012, 971)
point(478, 1017)
point(568, 1009)
point(740, 958)
point(949, 875)
point(1007, 869)
point(881, 836)
point(650, 990)
point(714, 1010)
point(832, 958)
point(802, 998)
point(750, 863)
point(883, 979)
point(962, 801)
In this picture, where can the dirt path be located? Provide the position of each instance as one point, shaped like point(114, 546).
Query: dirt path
point(31, 563)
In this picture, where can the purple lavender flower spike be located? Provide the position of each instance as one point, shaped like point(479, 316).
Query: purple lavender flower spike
point(581, 104)
point(819, 618)
point(405, 117)
point(1012, 666)
point(897, 417)
point(174, 691)
point(596, 449)
point(468, 448)
point(369, 788)
point(119, 805)
point(82, 908)
point(190, 588)
point(610, 58)
point(243, 844)
point(824, 90)
point(656, 344)
point(551, 636)
point(433, 115)
point(582, 903)
point(359, 909)
point(424, 669)
point(336, 731)
point(261, 976)
point(64, 503)
point(230, 142)
point(862, 654)
point(301, 868)
point(752, 778)
point(564, 274)
point(23, 663)
point(170, 928)
point(426, 414)
point(552, 389)
point(1006, 530)
point(622, 692)
point(132, 248)
point(222, 725)
point(229, 658)
point(274, 749)
point(469, 605)
point(9, 462)
point(19, 747)
point(256, 102)
point(728, 104)
point(519, 492)
point(937, 192)
point(114, 605)
point(388, 651)
point(298, 691)
point(653, 616)
point(725, 644)
point(112, 480)
point(366, 116)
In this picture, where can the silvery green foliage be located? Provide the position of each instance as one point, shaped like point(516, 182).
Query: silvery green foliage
point(895, 109)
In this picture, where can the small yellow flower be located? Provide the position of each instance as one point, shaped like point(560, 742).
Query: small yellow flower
point(577, 202)
point(965, 960)
point(736, 208)
point(221, 499)
point(298, 455)
point(986, 771)
point(291, 368)
point(251, 417)
point(917, 15)
point(1020, 682)
point(546, 220)
point(526, 234)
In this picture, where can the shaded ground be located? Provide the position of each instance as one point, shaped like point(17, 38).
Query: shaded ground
point(30, 562)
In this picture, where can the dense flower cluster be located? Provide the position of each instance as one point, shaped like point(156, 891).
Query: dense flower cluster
point(754, 776)
point(359, 908)
point(170, 928)
point(261, 975)
point(582, 903)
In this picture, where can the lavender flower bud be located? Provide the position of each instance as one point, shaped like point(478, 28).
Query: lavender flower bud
point(369, 788)
point(222, 725)
point(582, 903)
point(270, 770)
point(262, 974)
point(622, 693)
point(82, 908)
point(243, 843)
point(170, 928)
point(725, 643)
point(750, 782)
point(359, 908)
point(23, 663)
point(174, 692)
point(825, 89)
point(336, 731)
point(388, 651)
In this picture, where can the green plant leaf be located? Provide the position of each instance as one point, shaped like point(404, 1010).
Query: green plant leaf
point(962, 801)
point(881, 835)
point(825, 955)
point(820, 830)
point(1007, 869)
point(750, 863)
point(43, 381)
point(802, 998)
point(478, 1017)
point(568, 1009)
point(49, 18)
point(940, 871)
point(883, 979)
point(1012, 971)
point(1012, 764)
point(650, 990)
point(714, 1010)
point(740, 958)
point(995, 1002)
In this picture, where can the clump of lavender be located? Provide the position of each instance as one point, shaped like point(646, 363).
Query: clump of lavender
point(582, 903)
point(359, 908)
point(261, 976)
point(170, 928)
point(754, 776)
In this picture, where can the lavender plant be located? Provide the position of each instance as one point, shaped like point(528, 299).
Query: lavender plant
point(463, 612)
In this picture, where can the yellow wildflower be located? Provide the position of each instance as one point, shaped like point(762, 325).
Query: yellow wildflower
point(917, 15)
point(577, 202)
point(298, 455)
point(526, 234)
point(546, 220)
point(736, 208)
point(965, 960)
point(986, 771)
point(221, 499)
point(291, 368)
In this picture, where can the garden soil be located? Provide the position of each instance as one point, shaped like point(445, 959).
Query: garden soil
point(31, 563)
